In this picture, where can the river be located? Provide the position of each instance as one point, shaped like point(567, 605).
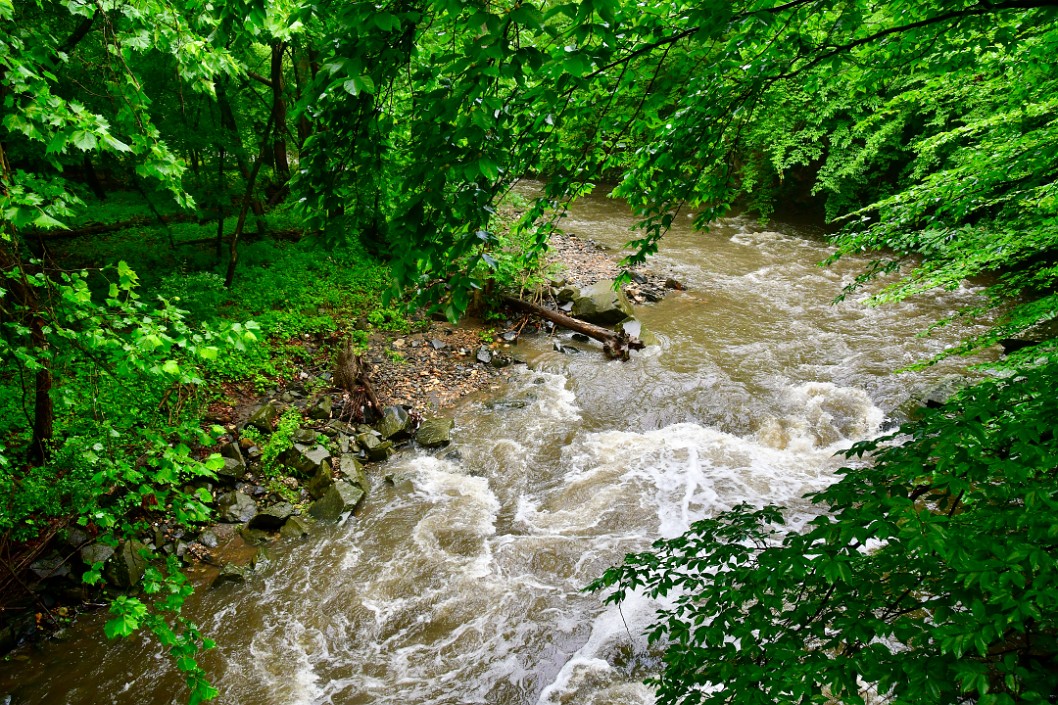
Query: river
point(460, 581)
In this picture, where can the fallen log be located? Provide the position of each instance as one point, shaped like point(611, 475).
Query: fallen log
point(617, 345)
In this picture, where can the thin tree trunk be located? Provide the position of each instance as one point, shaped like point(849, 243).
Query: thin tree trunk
point(301, 77)
point(227, 120)
point(93, 179)
point(233, 246)
point(279, 115)
point(221, 193)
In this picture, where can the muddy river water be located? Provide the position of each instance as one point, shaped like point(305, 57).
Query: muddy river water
point(461, 581)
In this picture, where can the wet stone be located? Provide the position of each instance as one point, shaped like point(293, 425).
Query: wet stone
point(352, 471)
point(483, 355)
point(320, 482)
point(97, 553)
point(231, 574)
point(305, 459)
point(264, 418)
point(295, 528)
point(435, 432)
point(395, 422)
point(272, 518)
point(305, 435)
point(236, 507)
point(341, 497)
point(321, 409)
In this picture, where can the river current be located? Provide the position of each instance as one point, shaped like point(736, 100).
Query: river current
point(460, 581)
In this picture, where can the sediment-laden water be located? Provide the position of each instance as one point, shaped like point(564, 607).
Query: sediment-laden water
point(460, 581)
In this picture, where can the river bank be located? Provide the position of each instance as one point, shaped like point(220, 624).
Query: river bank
point(294, 454)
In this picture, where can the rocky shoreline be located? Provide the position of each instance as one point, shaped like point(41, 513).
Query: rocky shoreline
point(295, 457)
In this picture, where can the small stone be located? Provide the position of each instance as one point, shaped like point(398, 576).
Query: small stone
point(51, 567)
point(305, 459)
point(438, 344)
point(128, 565)
point(352, 471)
point(483, 355)
point(208, 539)
point(674, 284)
point(509, 337)
point(320, 482)
point(233, 451)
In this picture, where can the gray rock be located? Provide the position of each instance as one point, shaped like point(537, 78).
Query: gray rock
point(52, 566)
point(395, 423)
point(381, 452)
point(236, 507)
point(438, 344)
point(97, 553)
point(567, 293)
point(634, 328)
point(321, 409)
point(352, 471)
point(320, 482)
point(232, 469)
point(272, 518)
point(126, 568)
point(509, 337)
point(295, 528)
point(500, 361)
point(340, 497)
point(305, 459)
point(483, 355)
point(367, 441)
point(208, 539)
point(233, 451)
point(231, 574)
point(255, 537)
point(435, 432)
point(305, 436)
point(600, 303)
point(264, 418)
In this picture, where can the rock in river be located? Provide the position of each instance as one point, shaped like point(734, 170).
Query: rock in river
point(435, 432)
point(600, 303)
point(340, 497)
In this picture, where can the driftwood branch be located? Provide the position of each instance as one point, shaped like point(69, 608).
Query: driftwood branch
point(615, 344)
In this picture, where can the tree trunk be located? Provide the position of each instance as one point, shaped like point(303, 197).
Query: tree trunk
point(227, 120)
point(301, 77)
point(233, 247)
point(221, 192)
point(279, 116)
point(616, 345)
point(93, 179)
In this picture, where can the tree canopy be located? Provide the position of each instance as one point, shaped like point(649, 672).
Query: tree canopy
point(925, 129)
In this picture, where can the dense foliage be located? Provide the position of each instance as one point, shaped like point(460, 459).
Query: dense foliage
point(924, 128)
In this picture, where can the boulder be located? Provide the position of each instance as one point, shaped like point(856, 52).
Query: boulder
point(231, 574)
point(272, 518)
point(236, 507)
point(97, 553)
point(600, 303)
point(305, 459)
point(435, 432)
point(126, 568)
point(321, 408)
point(321, 480)
point(52, 566)
point(306, 436)
point(232, 469)
point(255, 537)
point(341, 497)
point(381, 452)
point(352, 471)
point(633, 327)
point(396, 423)
point(295, 528)
point(264, 418)
point(233, 451)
